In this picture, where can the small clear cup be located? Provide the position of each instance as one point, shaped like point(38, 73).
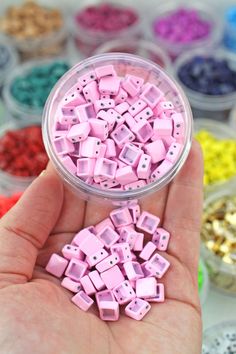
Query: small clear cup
point(216, 107)
point(123, 64)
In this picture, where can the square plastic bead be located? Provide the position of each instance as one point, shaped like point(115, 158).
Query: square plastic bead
point(106, 70)
point(178, 130)
point(163, 106)
point(109, 310)
point(145, 114)
point(128, 235)
point(129, 120)
point(71, 285)
point(63, 146)
point(144, 166)
point(132, 84)
point(73, 99)
point(105, 295)
point(87, 285)
point(156, 150)
point(108, 262)
point(133, 270)
point(123, 251)
point(96, 280)
point(96, 257)
point(121, 217)
point(121, 96)
point(90, 147)
point(122, 107)
point(111, 148)
point(103, 224)
point(76, 269)
point(85, 112)
point(161, 239)
point(104, 104)
point(138, 246)
point(137, 107)
point(105, 168)
point(147, 251)
point(130, 154)
point(108, 116)
point(80, 237)
point(162, 127)
point(69, 164)
point(87, 77)
point(56, 265)
point(99, 128)
point(146, 287)
point(108, 236)
point(70, 251)
point(91, 245)
point(161, 170)
point(85, 167)
point(82, 300)
point(148, 222)
point(173, 152)
point(91, 92)
point(137, 309)
point(151, 95)
point(78, 132)
point(112, 277)
point(122, 135)
point(60, 129)
point(160, 294)
point(158, 265)
point(109, 85)
point(135, 212)
point(143, 131)
point(126, 175)
point(124, 292)
point(146, 272)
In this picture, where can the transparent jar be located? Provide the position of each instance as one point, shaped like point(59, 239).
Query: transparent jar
point(48, 45)
point(220, 338)
point(123, 64)
point(17, 109)
point(11, 62)
point(143, 48)
point(203, 105)
point(221, 274)
point(205, 11)
point(87, 40)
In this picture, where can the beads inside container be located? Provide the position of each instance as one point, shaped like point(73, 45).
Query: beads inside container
point(220, 339)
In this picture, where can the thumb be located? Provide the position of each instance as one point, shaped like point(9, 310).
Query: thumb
point(25, 228)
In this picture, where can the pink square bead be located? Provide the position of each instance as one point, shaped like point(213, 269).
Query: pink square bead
point(91, 245)
point(104, 104)
point(157, 265)
point(123, 251)
point(73, 99)
point(111, 148)
point(90, 147)
point(151, 95)
point(122, 135)
point(126, 175)
point(162, 127)
point(69, 164)
point(77, 87)
point(78, 132)
point(99, 128)
point(103, 224)
point(91, 92)
point(147, 251)
point(161, 170)
point(130, 121)
point(130, 154)
point(143, 131)
point(168, 140)
point(112, 277)
point(108, 262)
point(85, 112)
point(156, 150)
point(121, 96)
point(96, 280)
point(122, 107)
point(132, 84)
point(71, 285)
point(146, 272)
point(109, 85)
point(146, 287)
point(160, 294)
point(56, 265)
point(134, 211)
point(105, 295)
point(63, 145)
point(68, 115)
point(137, 107)
point(178, 122)
point(109, 310)
point(144, 166)
point(121, 217)
point(76, 269)
point(96, 257)
point(85, 167)
point(145, 114)
point(105, 168)
point(128, 235)
point(124, 292)
point(82, 300)
point(133, 270)
point(108, 236)
point(60, 129)
point(138, 246)
point(148, 222)
point(87, 77)
point(163, 106)
point(173, 152)
point(108, 116)
point(70, 251)
point(106, 70)
point(137, 309)
point(161, 239)
point(87, 285)
point(107, 184)
point(80, 237)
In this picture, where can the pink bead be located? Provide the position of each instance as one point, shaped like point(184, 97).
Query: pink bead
point(130, 154)
point(70, 251)
point(137, 309)
point(156, 150)
point(123, 251)
point(112, 277)
point(146, 287)
point(138, 246)
point(96, 257)
point(68, 117)
point(143, 131)
point(105, 295)
point(78, 132)
point(105, 168)
point(63, 146)
point(56, 265)
point(76, 269)
point(129, 120)
point(69, 164)
point(73, 99)
point(107, 116)
point(111, 148)
point(86, 78)
point(71, 285)
point(121, 96)
point(147, 251)
point(109, 85)
point(91, 245)
point(108, 262)
point(145, 114)
point(133, 270)
point(85, 112)
point(162, 127)
point(128, 235)
point(82, 300)
point(108, 236)
point(137, 107)
point(148, 222)
point(144, 166)
point(75, 88)
point(60, 129)
point(96, 280)
point(126, 175)
point(87, 285)
point(103, 224)
point(151, 95)
point(122, 107)
point(161, 170)
point(158, 265)
point(132, 84)
point(146, 272)
point(168, 140)
point(104, 104)
point(134, 211)
point(124, 292)
point(85, 167)
point(90, 147)
point(109, 310)
point(106, 70)
point(178, 131)
point(161, 239)
point(122, 135)
point(80, 237)
point(121, 217)
point(160, 294)
point(99, 128)
point(109, 184)
point(173, 152)
point(163, 106)
point(91, 92)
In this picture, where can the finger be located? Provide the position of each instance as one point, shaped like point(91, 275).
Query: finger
point(26, 227)
point(184, 210)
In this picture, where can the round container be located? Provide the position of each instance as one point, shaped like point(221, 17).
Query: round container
point(12, 60)
point(221, 273)
point(143, 48)
point(203, 282)
point(87, 40)
point(205, 11)
point(123, 64)
point(220, 339)
point(17, 109)
point(220, 131)
point(212, 106)
point(50, 44)
point(10, 184)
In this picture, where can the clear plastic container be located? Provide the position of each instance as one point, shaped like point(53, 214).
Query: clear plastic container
point(203, 287)
point(87, 40)
point(206, 11)
point(221, 274)
point(143, 48)
point(215, 107)
point(18, 110)
point(52, 44)
point(220, 338)
point(123, 64)
point(12, 61)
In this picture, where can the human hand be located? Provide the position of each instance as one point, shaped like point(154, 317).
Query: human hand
point(37, 315)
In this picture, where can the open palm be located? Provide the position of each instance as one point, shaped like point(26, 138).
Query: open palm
point(37, 315)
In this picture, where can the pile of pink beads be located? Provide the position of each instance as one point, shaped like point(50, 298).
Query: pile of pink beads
point(117, 132)
point(109, 262)
point(106, 18)
point(182, 26)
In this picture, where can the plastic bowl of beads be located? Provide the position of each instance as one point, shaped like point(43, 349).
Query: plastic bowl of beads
point(203, 283)
point(143, 48)
point(91, 27)
point(220, 339)
point(35, 29)
point(8, 59)
point(22, 155)
point(218, 236)
point(180, 26)
point(29, 85)
point(216, 138)
point(102, 132)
